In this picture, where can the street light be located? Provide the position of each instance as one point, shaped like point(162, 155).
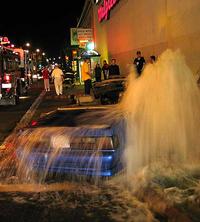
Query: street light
point(90, 46)
point(37, 59)
point(43, 54)
point(28, 59)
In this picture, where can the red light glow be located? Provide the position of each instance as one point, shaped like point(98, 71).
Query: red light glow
point(34, 123)
point(7, 78)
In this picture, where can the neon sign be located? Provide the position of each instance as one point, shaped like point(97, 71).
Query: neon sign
point(104, 9)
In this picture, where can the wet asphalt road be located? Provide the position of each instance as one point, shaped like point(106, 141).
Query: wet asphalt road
point(71, 202)
point(11, 115)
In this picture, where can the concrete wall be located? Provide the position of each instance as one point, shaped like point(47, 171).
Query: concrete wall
point(150, 26)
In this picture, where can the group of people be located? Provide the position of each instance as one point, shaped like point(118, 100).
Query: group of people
point(139, 62)
point(100, 73)
point(113, 68)
point(107, 70)
point(57, 76)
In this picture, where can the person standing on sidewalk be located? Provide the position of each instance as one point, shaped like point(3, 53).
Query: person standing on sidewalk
point(105, 69)
point(86, 75)
point(57, 76)
point(97, 72)
point(114, 68)
point(45, 74)
point(139, 63)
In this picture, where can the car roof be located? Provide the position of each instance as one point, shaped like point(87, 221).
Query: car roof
point(75, 117)
point(111, 81)
point(82, 131)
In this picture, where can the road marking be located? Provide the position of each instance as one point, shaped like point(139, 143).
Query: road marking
point(29, 114)
point(26, 117)
point(85, 107)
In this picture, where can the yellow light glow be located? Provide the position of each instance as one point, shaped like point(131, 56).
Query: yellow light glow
point(83, 40)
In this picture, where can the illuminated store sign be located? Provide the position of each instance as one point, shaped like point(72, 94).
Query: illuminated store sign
point(81, 36)
point(104, 9)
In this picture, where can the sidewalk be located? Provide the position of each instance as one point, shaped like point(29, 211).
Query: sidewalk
point(69, 95)
point(76, 90)
point(51, 101)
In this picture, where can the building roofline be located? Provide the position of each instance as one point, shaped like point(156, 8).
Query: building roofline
point(84, 11)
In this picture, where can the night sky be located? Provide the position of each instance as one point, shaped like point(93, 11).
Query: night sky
point(45, 26)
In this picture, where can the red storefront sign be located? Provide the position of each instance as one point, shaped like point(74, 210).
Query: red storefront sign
point(104, 9)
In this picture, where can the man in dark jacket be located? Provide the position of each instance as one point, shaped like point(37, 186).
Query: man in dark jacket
point(105, 69)
point(114, 68)
point(139, 62)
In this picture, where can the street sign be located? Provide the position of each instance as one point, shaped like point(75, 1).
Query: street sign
point(85, 34)
point(80, 36)
point(74, 36)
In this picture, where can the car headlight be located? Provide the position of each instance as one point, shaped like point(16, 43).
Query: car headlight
point(59, 142)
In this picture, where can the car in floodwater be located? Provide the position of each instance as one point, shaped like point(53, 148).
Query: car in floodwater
point(75, 141)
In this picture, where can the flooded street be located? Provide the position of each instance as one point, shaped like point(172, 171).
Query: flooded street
point(151, 196)
point(70, 202)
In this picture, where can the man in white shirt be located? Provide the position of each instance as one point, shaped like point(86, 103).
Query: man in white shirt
point(57, 76)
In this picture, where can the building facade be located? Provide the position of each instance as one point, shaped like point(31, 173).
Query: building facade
point(121, 27)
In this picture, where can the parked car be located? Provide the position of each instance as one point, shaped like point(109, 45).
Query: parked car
point(110, 90)
point(59, 143)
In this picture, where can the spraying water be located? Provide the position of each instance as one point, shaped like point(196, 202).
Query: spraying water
point(162, 109)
